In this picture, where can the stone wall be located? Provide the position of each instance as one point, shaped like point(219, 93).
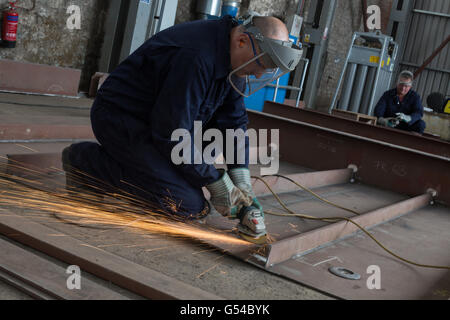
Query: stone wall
point(44, 38)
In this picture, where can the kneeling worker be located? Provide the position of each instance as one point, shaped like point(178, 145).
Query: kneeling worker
point(198, 71)
point(401, 108)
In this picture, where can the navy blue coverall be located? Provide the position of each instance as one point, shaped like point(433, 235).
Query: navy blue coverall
point(389, 105)
point(177, 77)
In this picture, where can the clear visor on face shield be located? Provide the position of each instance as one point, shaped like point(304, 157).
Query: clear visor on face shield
point(260, 78)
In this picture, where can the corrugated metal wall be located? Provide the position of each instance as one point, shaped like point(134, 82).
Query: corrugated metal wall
point(429, 27)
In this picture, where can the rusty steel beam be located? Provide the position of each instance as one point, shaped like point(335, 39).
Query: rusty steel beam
point(395, 168)
point(124, 273)
point(401, 138)
point(309, 180)
point(302, 244)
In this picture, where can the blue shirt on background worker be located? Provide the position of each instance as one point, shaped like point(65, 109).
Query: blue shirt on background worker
point(401, 108)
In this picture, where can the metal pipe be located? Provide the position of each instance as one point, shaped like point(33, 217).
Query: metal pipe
point(415, 65)
point(48, 141)
point(368, 90)
point(206, 8)
point(283, 87)
point(322, 24)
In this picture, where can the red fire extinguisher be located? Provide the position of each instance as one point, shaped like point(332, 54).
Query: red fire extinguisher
point(10, 23)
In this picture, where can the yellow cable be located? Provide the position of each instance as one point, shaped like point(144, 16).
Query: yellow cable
point(334, 219)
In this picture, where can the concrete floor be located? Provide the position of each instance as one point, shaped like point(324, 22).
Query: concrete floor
point(186, 261)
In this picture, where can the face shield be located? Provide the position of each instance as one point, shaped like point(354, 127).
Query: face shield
point(272, 60)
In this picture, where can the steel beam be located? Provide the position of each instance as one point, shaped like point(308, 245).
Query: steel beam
point(302, 244)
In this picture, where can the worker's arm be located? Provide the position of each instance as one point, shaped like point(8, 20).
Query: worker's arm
point(184, 84)
point(380, 108)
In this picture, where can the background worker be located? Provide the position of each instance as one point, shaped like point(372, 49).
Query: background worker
point(401, 108)
point(198, 71)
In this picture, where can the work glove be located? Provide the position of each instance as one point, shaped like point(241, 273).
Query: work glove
point(403, 117)
point(242, 179)
point(226, 198)
point(388, 122)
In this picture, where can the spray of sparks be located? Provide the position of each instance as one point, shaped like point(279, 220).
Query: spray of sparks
point(114, 210)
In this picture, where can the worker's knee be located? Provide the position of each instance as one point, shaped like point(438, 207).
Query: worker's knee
point(422, 126)
point(418, 127)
